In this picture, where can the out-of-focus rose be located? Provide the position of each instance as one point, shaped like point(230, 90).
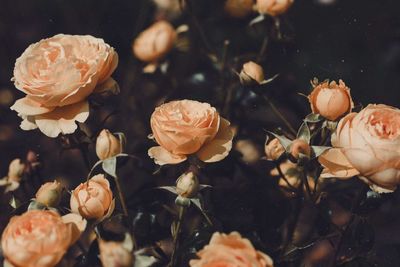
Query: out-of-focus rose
point(292, 175)
point(230, 250)
point(186, 127)
point(107, 145)
point(187, 185)
point(116, 254)
point(37, 238)
point(331, 100)
point(16, 170)
point(49, 194)
point(57, 75)
point(93, 199)
point(274, 149)
point(298, 147)
point(366, 144)
point(249, 150)
point(154, 42)
point(251, 73)
point(169, 9)
point(273, 7)
point(239, 8)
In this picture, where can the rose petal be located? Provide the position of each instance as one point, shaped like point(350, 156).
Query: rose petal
point(162, 156)
point(28, 123)
point(62, 119)
point(218, 148)
point(336, 164)
point(27, 106)
point(77, 224)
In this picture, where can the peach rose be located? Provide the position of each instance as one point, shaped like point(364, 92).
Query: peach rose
point(367, 144)
point(107, 145)
point(251, 73)
point(331, 100)
point(154, 42)
point(93, 199)
point(230, 251)
point(57, 75)
point(274, 149)
point(37, 238)
point(117, 254)
point(186, 127)
point(238, 8)
point(273, 7)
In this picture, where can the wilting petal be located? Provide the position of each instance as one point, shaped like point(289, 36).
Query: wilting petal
point(336, 164)
point(62, 119)
point(26, 106)
point(218, 148)
point(162, 156)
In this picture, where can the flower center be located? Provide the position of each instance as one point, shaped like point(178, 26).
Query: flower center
point(384, 124)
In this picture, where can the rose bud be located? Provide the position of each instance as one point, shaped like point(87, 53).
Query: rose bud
point(37, 238)
point(238, 8)
point(93, 199)
point(273, 7)
point(274, 149)
point(298, 147)
point(49, 194)
point(230, 250)
point(331, 100)
point(187, 185)
point(116, 254)
point(251, 74)
point(248, 149)
point(155, 42)
point(107, 145)
point(16, 170)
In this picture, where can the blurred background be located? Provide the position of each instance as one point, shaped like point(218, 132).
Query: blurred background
point(354, 40)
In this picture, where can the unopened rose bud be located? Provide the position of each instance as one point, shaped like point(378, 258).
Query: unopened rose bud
point(274, 149)
point(300, 147)
point(187, 185)
point(154, 42)
point(16, 170)
point(115, 254)
point(49, 194)
point(273, 7)
point(331, 100)
point(107, 145)
point(251, 74)
point(238, 8)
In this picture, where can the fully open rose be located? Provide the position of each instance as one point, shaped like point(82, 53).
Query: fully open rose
point(230, 251)
point(187, 127)
point(367, 144)
point(57, 75)
point(39, 238)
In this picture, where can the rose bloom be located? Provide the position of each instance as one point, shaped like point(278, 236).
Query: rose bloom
point(37, 238)
point(187, 127)
point(93, 199)
point(238, 8)
point(230, 250)
point(57, 75)
point(154, 42)
point(331, 100)
point(273, 7)
point(116, 254)
point(366, 144)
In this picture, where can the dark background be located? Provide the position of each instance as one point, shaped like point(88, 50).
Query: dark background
point(354, 40)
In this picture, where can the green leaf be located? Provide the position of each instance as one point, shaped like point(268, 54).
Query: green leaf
point(197, 203)
point(285, 142)
point(110, 166)
point(304, 133)
point(171, 189)
point(318, 150)
point(14, 202)
point(258, 19)
point(313, 118)
point(36, 206)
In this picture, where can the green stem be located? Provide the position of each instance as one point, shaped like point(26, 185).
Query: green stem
point(121, 197)
point(178, 230)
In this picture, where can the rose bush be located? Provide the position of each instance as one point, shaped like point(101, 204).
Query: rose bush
point(57, 75)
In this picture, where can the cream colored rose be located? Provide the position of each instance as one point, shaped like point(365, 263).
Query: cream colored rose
point(273, 7)
point(251, 73)
point(155, 42)
point(57, 75)
point(12, 181)
point(331, 100)
point(107, 145)
point(49, 194)
point(93, 199)
point(187, 185)
point(37, 238)
point(367, 144)
point(187, 127)
point(239, 8)
point(226, 250)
